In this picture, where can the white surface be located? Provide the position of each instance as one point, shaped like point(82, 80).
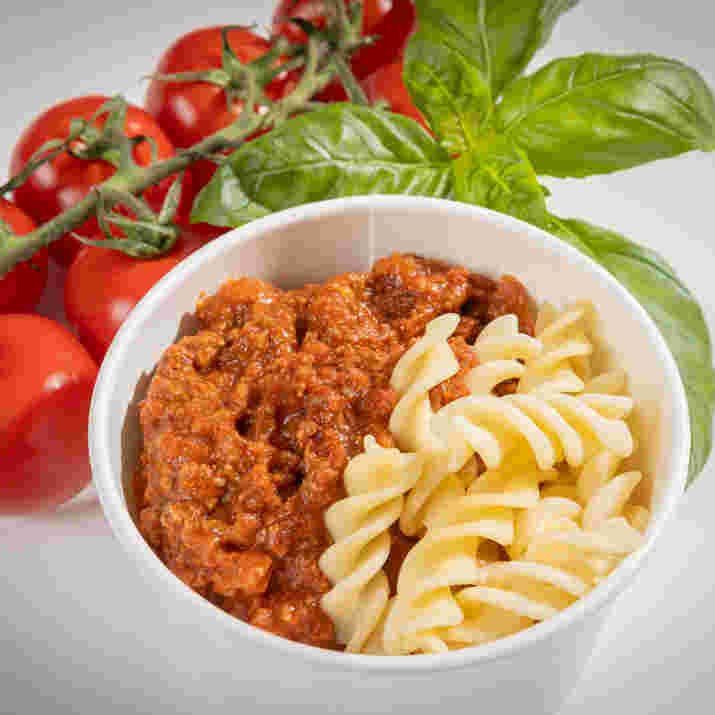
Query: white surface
point(80, 634)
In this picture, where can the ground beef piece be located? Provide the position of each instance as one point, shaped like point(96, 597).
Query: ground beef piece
point(408, 291)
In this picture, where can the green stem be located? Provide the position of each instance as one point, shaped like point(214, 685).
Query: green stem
point(321, 65)
point(352, 87)
point(138, 180)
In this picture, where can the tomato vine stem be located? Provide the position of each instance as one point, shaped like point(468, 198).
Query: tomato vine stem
point(326, 55)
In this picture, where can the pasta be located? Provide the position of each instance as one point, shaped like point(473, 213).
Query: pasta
point(426, 364)
point(555, 560)
point(375, 481)
point(549, 517)
point(564, 362)
point(554, 425)
point(551, 426)
point(446, 557)
point(502, 351)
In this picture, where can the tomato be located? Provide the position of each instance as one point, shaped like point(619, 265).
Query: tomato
point(386, 84)
point(61, 183)
point(22, 287)
point(314, 11)
point(190, 111)
point(392, 33)
point(46, 379)
point(103, 285)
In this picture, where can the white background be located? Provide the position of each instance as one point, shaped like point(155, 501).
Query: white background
point(80, 633)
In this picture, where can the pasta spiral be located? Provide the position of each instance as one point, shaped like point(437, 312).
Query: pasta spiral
point(551, 516)
point(553, 427)
point(426, 364)
point(558, 562)
point(499, 348)
point(447, 557)
point(375, 481)
point(564, 362)
point(555, 424)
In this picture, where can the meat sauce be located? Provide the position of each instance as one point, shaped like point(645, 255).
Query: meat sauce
point(248, 426)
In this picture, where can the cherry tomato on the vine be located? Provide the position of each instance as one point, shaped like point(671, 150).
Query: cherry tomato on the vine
point(62, 182)
point(314, 12)
point(190, 111)
point(22, 287)
point(46, 379)
point(103, 285)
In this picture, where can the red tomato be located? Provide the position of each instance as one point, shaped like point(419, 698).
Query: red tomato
point(190, 111)
point(314, 11)
point(46, 379)
point(61, 183)
point(103, 285)
point(386, 84)
point(22, 287)
point(392, 33)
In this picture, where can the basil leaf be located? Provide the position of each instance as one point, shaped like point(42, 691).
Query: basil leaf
point(516, 29)
point(342, 150)
point(595, 114)
point(447, 70)
point(222, 202)
point(498, 175)
point(674, 310)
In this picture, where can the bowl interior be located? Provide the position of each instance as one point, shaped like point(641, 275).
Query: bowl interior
point(314, 243)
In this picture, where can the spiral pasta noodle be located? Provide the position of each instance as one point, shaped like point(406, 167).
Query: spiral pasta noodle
point(426, 364)
point(564, 363)
point(549, 419)
point(502, 351)
point(375, 481)
point(581, 528)
point(553, 427)
point(555, 560)
point(552, 515)
point(447, 557)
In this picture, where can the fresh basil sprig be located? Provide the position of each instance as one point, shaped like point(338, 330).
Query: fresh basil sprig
point(595, 114)
point(516, 30)
point(497, 173)
point(342, 150)
point(448, 70)
point(492, 134)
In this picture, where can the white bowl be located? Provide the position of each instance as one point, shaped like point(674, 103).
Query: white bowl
point(531, 671)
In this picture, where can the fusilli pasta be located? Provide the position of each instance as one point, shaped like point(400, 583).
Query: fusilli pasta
point(551, 426)
point(375, 481)
point(564, 362)
point(446, 557)
point(555, 561)
point(501, 350)
point(550, 517)
point(426, 364)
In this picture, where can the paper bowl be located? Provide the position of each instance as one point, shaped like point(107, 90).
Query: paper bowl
point(531, 671)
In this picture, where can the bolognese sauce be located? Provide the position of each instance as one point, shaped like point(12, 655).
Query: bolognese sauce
point(248, 425)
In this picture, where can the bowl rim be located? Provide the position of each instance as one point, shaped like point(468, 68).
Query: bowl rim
point(128, 535)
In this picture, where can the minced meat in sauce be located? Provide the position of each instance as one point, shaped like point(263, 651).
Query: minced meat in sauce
point(248, 426)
